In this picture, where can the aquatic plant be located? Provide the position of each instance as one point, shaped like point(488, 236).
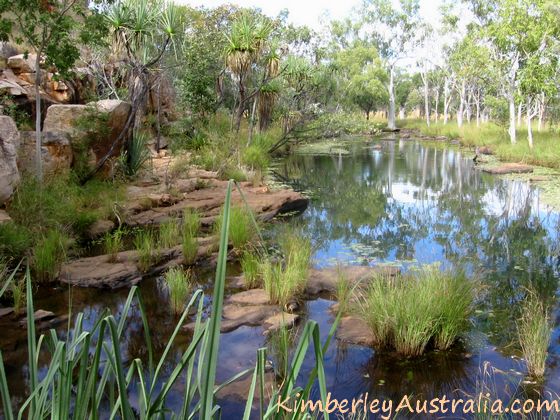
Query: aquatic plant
point(250, 264)
point(534, 331)
point(103, 380)
point(49, 254)
point(241, 226)
point(148, 252)
point(406, 312)
point(283, 281)
point(189, 247)
point(191, 221)
point(112, 244)
point(179, 283)
point(169, 234)
point(137, 154)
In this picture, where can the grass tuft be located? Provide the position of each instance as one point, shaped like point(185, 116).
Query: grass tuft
point(169, 234)
point(406, 312)
point(250, 264)
point(534, 333)
point(241, 227)
point(179, 284)
point(49, 254)
point(148, 252)
point(112, 243)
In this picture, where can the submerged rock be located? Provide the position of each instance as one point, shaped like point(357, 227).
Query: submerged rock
point(508, 168)
point(354, 330)
point(98, 272)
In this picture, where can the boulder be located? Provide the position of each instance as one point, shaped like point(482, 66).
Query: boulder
point(22, 64)
point(56, 152)
point(9, 174)
point(112, 118)
point(508, 168)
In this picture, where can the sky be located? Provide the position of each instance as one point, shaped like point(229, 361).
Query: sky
point(312, 12)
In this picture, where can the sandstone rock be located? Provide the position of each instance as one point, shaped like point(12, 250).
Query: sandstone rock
point(250, 297)
point(100, 273)
point(22, 64)
point(4, 217)
point(281, 320)
point(6, 311)
point(56, 152)
point(325, 280)
point(9, 174)
point(39, 316)
point(354, 330)
point(100, 228)
point(65, 118)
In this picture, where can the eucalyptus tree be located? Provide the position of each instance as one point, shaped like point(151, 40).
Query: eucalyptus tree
point(394, 30)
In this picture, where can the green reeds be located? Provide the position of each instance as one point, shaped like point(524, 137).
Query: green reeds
point(534, 331)
point(405, 312)
point(169, 234)
point(179, 284)
point(241, 229)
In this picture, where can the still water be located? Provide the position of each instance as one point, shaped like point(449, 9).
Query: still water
point(400, 203)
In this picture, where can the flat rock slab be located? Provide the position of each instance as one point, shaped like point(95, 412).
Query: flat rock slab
point(239, 389)
point(326, 279)
point(509, 168)
point(6, 311)
point(99, 272)
point(354, 330)
point(208, 202)
point(250, 297)
point(39, 315)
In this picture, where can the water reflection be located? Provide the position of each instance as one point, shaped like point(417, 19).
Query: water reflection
point(407, 204)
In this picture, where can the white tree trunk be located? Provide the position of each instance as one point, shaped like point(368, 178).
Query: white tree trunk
point(542, 108)
point(402, 115)
point(519, 109)
point(461, 105)
point(511, 129)
point(436, 113)
point(445, 103)
point(426, 100)
point(391, 117)
point(529, 128)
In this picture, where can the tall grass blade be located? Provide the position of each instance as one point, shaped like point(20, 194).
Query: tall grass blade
point(4, 392)
point(31, 340)
point(214, 323)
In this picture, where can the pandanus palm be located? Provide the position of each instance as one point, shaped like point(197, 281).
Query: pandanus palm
point(268, 93)
point(246, 43)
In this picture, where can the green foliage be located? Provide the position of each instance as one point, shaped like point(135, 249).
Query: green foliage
point(534, 330)
point(344, 290)
point(112, 244)
point(406, 312)
point(49, 254)
point(148, 253)
point(256, 157)
point(191, 221)
point(179, 284)
point(232, 172)
point(94, 128)
point(169, 234)
point(189, 247)
point(250, 265)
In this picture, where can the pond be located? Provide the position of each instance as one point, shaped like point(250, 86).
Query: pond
point(400, 203)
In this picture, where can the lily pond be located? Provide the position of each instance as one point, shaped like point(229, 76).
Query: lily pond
point(399, 203)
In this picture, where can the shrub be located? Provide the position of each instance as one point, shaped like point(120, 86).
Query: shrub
point(112, 243)
point(406, 312)
point(148, 253)
point(14, 240)
point(49, 254)
point(255, 157)
point(179, 286)
point(169, 234)
point(230, 171)
point(250, 265)
point(534, 333)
